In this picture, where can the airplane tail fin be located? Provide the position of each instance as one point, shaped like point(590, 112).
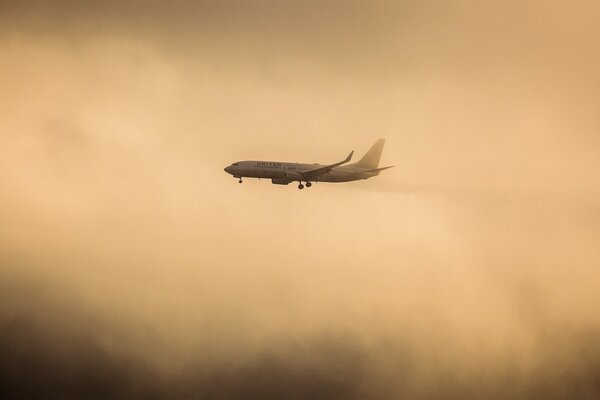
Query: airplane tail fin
point(371, 159)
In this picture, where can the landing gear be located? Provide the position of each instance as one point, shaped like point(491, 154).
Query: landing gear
point(308, 184)
point(240, 181)
point(300, 186)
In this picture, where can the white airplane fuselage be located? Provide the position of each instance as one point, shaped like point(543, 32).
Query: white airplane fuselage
point(283, 173)
point(290, 172)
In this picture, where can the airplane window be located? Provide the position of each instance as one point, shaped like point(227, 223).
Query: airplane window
point(235, 164)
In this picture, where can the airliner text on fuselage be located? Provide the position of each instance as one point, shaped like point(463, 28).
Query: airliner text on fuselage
point(283, 173)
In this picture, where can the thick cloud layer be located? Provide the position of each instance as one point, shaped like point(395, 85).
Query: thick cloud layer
point(131, 265)
point(60, 350)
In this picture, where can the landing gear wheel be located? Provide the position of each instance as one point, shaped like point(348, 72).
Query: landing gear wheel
point(240, 180)
point(300, 186)
point(308, 184)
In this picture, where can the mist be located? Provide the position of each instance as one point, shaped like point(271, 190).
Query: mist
point(131, 265)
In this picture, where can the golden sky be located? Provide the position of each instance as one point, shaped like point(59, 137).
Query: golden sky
point(132, 265)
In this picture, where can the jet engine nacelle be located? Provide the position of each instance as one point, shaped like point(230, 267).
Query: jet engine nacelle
point(293, 176)
point(279, 181)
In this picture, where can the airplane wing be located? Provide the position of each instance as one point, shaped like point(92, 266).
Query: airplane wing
point(311, 173)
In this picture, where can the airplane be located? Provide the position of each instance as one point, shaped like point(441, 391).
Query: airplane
point(283, 173)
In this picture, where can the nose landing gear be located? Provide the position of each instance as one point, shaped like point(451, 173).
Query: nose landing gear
point(240, 181)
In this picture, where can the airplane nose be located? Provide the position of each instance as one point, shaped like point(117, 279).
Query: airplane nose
point(228, 170)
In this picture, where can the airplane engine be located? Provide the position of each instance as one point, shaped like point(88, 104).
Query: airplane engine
point(293, 176)
point(279, 181)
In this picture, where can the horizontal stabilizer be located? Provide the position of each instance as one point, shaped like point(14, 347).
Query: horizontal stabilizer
point(378, 169)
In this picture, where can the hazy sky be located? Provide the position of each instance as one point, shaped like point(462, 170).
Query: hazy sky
point(131, 264)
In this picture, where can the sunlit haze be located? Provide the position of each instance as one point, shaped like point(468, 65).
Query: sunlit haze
point(132, 265)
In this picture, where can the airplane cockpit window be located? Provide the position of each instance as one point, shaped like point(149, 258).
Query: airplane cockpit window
point(235, 164)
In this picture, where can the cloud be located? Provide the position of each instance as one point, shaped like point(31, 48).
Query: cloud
point(64, 352)
point(133, 266)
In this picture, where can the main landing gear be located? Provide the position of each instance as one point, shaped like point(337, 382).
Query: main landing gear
point(301, 186)
point(308, 184)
